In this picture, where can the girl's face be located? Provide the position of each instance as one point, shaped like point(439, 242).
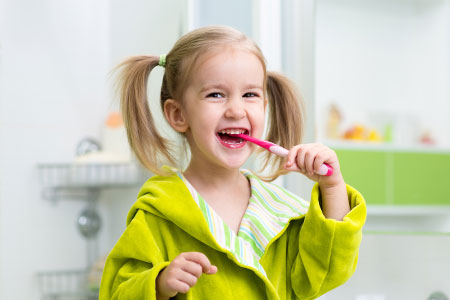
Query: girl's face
point(225, 95)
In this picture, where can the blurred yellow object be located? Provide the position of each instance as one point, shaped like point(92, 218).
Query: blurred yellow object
point(361, 133)
point(374, 136)
point(355, 133)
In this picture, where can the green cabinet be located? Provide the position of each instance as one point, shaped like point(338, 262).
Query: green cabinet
point(366, 171)
point(393, 177)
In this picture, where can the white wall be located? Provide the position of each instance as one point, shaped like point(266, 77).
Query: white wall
point(54, 62)
point(398, 267)
point(139, 27)
point(385, 59)
point(234, 13)
point(297, 53)
point(53, 94)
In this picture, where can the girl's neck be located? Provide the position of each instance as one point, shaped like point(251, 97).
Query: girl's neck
point(213, 178)
point(227, 191)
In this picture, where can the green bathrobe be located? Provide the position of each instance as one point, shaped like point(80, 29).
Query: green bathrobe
point(309, 257)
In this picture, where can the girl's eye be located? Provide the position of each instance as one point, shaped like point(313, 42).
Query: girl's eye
point(247, 95)
point(215, 95)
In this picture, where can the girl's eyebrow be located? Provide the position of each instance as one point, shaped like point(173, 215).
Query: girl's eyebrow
point(253, 86)
point(212, 86)
point(223, 87)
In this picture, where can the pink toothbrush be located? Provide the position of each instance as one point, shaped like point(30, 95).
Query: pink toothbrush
point(324, 169)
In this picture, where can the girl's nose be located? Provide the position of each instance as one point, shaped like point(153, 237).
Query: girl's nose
point(235, 109)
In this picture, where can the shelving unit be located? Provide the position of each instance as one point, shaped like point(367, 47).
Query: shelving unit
point(62, 179)
point(73, 284)
point(405, 189)
point(84, 182)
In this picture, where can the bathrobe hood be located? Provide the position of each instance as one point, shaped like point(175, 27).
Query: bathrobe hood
point(157, 197)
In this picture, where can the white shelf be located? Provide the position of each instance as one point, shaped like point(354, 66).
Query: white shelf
point(91, 175)
point(85, 180)
point(372, 146)
point(408, 210)
point(408, 219)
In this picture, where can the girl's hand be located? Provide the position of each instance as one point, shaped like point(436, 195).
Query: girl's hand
point(182, 274)
point(307, 159)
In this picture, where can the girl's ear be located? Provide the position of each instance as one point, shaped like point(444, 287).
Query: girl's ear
point(175, 115)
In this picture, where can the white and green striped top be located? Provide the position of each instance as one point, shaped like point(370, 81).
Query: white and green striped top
point(269, 210)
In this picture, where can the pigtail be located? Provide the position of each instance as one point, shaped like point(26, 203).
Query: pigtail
point(285, 120)
point(145, 141)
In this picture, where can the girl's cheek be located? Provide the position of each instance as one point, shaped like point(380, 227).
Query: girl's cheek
point(256, 116)
point(258, 127)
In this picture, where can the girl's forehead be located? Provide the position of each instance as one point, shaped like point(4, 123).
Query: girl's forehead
point(224, 59)
point(231, 49)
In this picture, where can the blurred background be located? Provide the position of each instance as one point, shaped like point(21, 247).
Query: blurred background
point(375, 77)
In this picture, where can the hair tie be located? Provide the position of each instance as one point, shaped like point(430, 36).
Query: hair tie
point(162, 60)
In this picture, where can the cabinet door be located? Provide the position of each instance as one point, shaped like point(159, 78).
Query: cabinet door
point(367, 171)
point(421, 178)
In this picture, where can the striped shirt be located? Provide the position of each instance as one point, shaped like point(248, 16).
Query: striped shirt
point(269, 210)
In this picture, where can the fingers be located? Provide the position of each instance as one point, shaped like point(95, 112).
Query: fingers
point(183, 273)
point(319, 161)
point(192, 268)
point(316, 158)
point(187, 278)
point(175, 286)
point(308, 158)
point(291, 160)
point(200, 259)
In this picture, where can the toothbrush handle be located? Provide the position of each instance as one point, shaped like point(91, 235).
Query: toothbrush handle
point(324, 170)
point(278, 150)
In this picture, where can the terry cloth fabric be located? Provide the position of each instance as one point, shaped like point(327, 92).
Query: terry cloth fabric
point(269, 210)
point(308, 257)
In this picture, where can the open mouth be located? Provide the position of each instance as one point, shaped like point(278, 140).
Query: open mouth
point(227, 138)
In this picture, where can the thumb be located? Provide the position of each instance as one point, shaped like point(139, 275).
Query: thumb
point(212, 270)
point(292, 166)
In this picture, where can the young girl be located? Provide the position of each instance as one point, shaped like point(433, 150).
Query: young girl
point(214, 231)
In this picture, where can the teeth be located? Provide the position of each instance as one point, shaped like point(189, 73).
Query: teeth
point(232, 131)
point(233, 143)
point(229, 143)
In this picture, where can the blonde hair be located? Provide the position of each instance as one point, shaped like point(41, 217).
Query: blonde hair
point(286, 114)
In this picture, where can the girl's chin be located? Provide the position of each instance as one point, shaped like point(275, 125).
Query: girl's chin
point(236, 162)
point(232, 158)
point(234, 165)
